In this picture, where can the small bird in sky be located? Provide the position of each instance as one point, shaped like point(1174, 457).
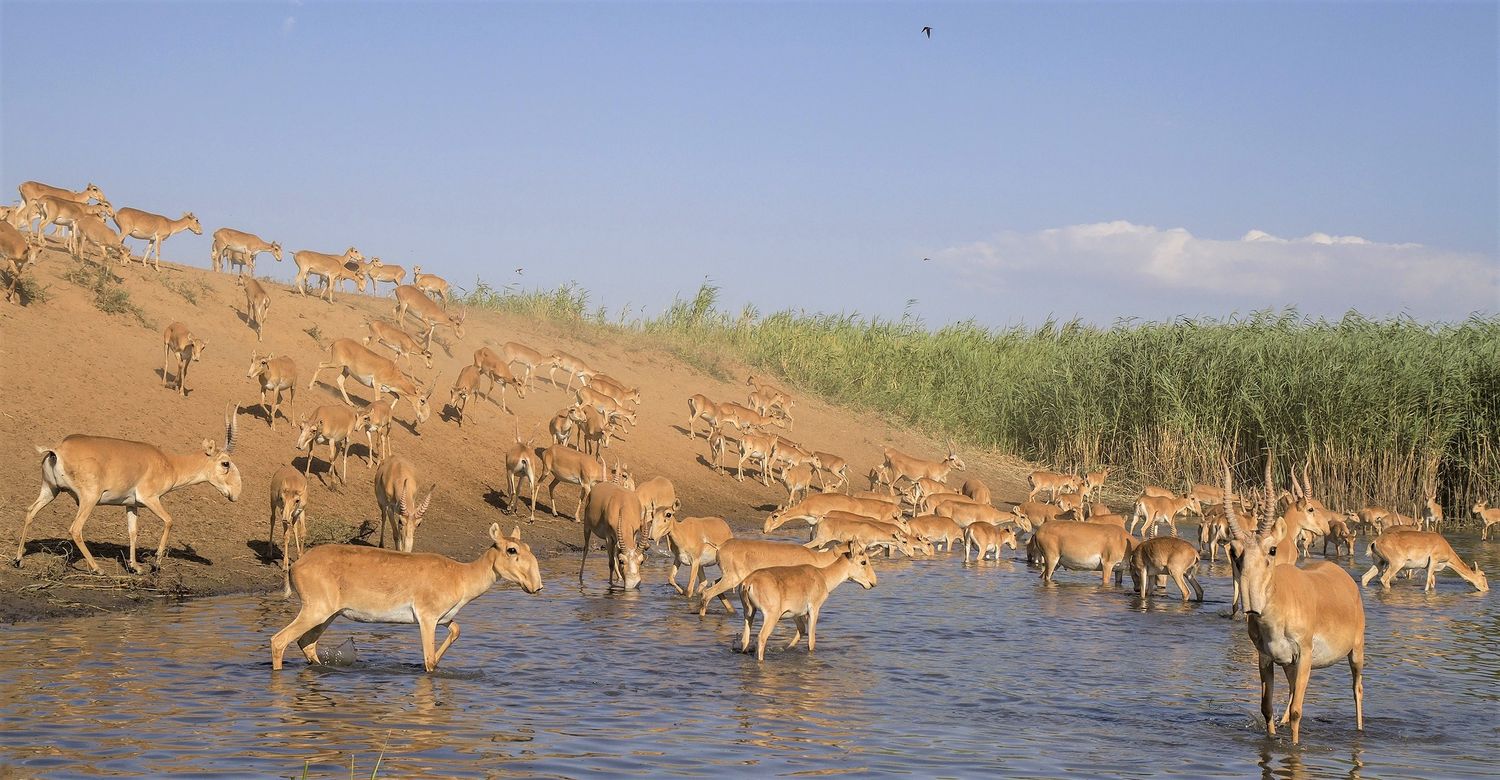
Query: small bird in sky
point(519, 270)
point(926, 259)
point(927, 30)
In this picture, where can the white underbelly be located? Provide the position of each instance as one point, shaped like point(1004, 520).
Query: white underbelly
point(1086, 563)
point(113, 498)
point(400, 614)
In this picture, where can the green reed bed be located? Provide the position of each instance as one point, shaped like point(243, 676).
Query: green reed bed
point(1381, 408)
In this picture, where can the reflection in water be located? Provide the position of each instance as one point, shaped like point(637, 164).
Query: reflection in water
point(942, 669)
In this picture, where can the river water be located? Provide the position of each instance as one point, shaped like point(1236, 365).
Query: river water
point(943, 669)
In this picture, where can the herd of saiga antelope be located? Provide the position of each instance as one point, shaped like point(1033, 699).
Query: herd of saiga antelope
point(1299, 617)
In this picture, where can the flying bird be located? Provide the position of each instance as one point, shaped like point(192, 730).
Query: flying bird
point(519, 270)
point(927, 30)
point(926, 259)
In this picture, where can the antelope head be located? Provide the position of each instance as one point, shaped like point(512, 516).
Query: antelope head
point(411, 518)
point(957, 462)
point(514, 560)
point(862, 573)
point(310, 428)
point(1254, 554)
point(628, 558)
point(276, 250)
point(353, 255)
point(219, 469)
point(458, 322)
point(259, 364)
point(196, 346)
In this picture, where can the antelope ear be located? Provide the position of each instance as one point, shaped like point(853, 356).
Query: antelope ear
point(495, 532)
point(515, 533)
point(208, 447)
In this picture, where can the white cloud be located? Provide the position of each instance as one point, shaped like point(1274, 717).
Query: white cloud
point(1319, 273)
point(287, 25)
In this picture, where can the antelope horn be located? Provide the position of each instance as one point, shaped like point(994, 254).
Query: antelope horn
point(1235, 532)
point(422, 509)
point(1269, 510)
point(231, 425)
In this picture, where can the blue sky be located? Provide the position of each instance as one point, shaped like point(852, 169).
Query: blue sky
point(1051, 159)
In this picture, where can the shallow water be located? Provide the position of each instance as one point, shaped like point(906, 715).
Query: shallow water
point(943, 669)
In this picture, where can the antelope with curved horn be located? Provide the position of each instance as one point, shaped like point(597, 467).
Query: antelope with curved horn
point(96, 471)
point(797, 591)
point(694, 542)
point(1394, 551)
point(257, 304)
point(288, 507)
point(275, 375)
point(332, 425)
point(431, 284)
point(332, 268)
point(179, 344)
point(401, 344)
point(379, 373)
point(396, 495)
point(240, 249)
point(1299, 618)
point(372, 585)
point(154, 228)
point(614, 514)
point(412, 301)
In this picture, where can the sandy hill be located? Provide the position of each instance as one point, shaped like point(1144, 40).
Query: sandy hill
point(67, 367)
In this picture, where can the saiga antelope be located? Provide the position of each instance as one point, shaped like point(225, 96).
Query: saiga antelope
point(986, 538)
point(565, 464)
point(257, 304)
point(379, 373)
point(180, 344)
point(798, 591)
point(411, 301)
point(378, 271)
point(837, 527)
point(1050, 481)
point(375, 421)
point(521, 460)
point(430, 284)
point(466, 385)
point(1164, 555)
point(1341, 536)
point(32, 191)
point(976, 490)
point(834, 466)
point(658, 498)
point(331, 267)
point(114, 472)
point(694, 541)
point(1094, 480)
point(574, 366)
point(1394, 551)
point(92, 230)
point(1299, 618)
point(614, 514)
point(699, 407)
point(398, 341)
point(17, 253)
point(372, 585)
point(65, 214)
point(498, 370)
point(333, 425)
point(275, 375)
point(899, 465)
point(154, 228)
point(1487, 516)
point(240, 249)
point(1082, 547)
point(396, 495)
point(514, 352)
point(815, 507)
point(936, 528)
point(739, 557)
point(1150, 510)
point(289, 508)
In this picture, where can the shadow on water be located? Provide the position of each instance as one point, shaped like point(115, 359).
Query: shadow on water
point(943, 669)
